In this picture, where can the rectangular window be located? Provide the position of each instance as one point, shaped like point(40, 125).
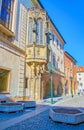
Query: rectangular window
point(37, 32)
point(52, 38)
point(53, 61)
point(48, 38)
point(30, 32)
point(57, 43)
point(41, 33)
point(6, 12)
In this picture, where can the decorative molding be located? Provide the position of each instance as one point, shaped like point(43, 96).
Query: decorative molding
point(11, 45)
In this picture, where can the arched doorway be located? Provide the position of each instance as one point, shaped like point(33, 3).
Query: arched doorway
point(59, 90)
point(46, 90)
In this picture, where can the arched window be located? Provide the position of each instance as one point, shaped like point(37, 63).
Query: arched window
point(39, 31)
point(30, 31)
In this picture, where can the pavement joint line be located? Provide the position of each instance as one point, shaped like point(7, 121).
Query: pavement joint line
point(16, 120)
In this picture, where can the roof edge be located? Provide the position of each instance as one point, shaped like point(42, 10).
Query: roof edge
point(70, 56)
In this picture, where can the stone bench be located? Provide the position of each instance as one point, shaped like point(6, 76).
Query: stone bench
point(11, 107)
point(68, 115)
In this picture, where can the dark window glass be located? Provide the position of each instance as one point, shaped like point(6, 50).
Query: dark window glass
point(37, 32)
point(6, 11)
point(7, 3)
point(53, 61)
point(3, 14)
point(53, 38)
point(48, 38)
point(57, 43)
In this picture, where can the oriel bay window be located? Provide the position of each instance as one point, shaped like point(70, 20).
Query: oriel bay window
point(36, 31)
point(6, 13)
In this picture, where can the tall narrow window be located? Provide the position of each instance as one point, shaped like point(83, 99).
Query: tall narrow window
point(30, 31)
point(54, 61)
point(55, 64)
point(53, 38)
point(39, 31)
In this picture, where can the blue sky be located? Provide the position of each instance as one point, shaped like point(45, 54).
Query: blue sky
point(68, 16)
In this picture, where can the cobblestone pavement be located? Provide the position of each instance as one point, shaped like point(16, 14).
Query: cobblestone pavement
point(6, 116)
point(41, 121)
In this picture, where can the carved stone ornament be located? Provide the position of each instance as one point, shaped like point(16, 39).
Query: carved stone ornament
point(37, 13)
